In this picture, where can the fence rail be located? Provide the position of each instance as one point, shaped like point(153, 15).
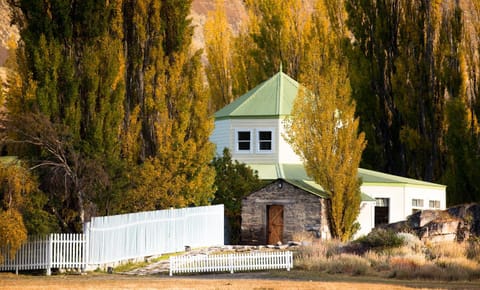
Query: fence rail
point(118, 238)
point(231, 262)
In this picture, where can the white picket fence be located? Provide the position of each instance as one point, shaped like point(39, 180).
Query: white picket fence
point(52, 251)
point(231, 262)
point(112, 239)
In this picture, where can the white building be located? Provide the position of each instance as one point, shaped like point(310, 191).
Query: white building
point(252, 127)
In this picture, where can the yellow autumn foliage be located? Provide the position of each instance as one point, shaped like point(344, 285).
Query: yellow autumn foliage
point(12, 231)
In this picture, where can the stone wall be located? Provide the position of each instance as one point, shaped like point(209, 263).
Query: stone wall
point(303, 212)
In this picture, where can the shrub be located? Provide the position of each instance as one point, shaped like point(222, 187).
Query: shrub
point(473, 250)
point(459, 268)
point(314, 256)
point(446, 250)
point(380, 239)
point(377, 261)
point(347, 264)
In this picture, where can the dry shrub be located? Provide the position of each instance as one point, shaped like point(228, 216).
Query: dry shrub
point(473, 250)
point(378, 261)
point(347, 264)
point(459, 268)
point(446, 250)
point(315, 256)
point(406, 267)
point(411, 242)
point(305, 238)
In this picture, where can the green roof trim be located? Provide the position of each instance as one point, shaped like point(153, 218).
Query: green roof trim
point(366, 197)
point(297, 176)
point(272, 98)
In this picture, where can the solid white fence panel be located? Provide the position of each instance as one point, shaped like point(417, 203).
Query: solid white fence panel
point(122, 237)
point(231, 262)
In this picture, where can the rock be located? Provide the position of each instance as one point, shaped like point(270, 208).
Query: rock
point(457, 223)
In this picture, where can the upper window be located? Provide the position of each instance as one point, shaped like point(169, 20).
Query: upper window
point(417, 202)
point(265, 141)
point(244, 141)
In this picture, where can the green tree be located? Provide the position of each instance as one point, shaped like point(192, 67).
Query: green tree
point(372, 53)
point(70, 78)
point(279, 30)
point(178, 173)
point(233, 181)
point(323, 129)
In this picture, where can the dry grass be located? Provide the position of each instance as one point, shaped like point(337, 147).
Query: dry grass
point(446, 261)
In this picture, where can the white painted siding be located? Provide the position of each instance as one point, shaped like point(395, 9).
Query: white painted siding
point(220, 136)
point(426, 194)
point(401, 195)
point(396, 196)
point(287, 155)
point(366, 218)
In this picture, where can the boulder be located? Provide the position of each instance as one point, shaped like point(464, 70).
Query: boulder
point(457, 223)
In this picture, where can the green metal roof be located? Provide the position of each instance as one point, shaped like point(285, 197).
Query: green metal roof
point(272, 98)
point(374, 177)
point(296, 175)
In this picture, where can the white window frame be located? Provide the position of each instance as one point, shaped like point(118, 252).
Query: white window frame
point(434, 202)
point(257, 140)
point(418, 200)
point(237, 148)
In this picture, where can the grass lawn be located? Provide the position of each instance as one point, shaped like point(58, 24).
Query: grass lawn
point(295, 279)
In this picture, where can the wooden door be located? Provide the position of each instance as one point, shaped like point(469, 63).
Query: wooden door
point(275, 224)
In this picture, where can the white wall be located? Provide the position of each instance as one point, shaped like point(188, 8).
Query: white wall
point(401, 195)
point(287, 154)
point(366, 218)
point(396, 196)
point(221, 136)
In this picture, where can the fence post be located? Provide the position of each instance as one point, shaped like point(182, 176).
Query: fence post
point(171, 266)
point(86, 245)
point(49, 254)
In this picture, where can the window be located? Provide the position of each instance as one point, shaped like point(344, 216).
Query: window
point(417, 202)
point(434, 203)
point(244, 139)
point(265, 140)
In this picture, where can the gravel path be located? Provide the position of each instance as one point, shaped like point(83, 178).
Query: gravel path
point(163, 266)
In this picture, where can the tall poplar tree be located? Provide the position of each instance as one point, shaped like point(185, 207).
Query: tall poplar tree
point(323, 127)
point(218, 46)
point(278, 29)
point(72, 86)
point(178, 173)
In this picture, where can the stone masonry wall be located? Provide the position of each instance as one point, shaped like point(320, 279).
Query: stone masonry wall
point(302, 213)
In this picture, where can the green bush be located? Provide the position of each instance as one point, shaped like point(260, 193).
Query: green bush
point(380, 239)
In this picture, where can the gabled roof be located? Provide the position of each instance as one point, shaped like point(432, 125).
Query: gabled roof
point(272, 98)
point(296, 175)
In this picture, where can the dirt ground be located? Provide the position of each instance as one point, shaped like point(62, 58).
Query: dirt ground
point(212, 281)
